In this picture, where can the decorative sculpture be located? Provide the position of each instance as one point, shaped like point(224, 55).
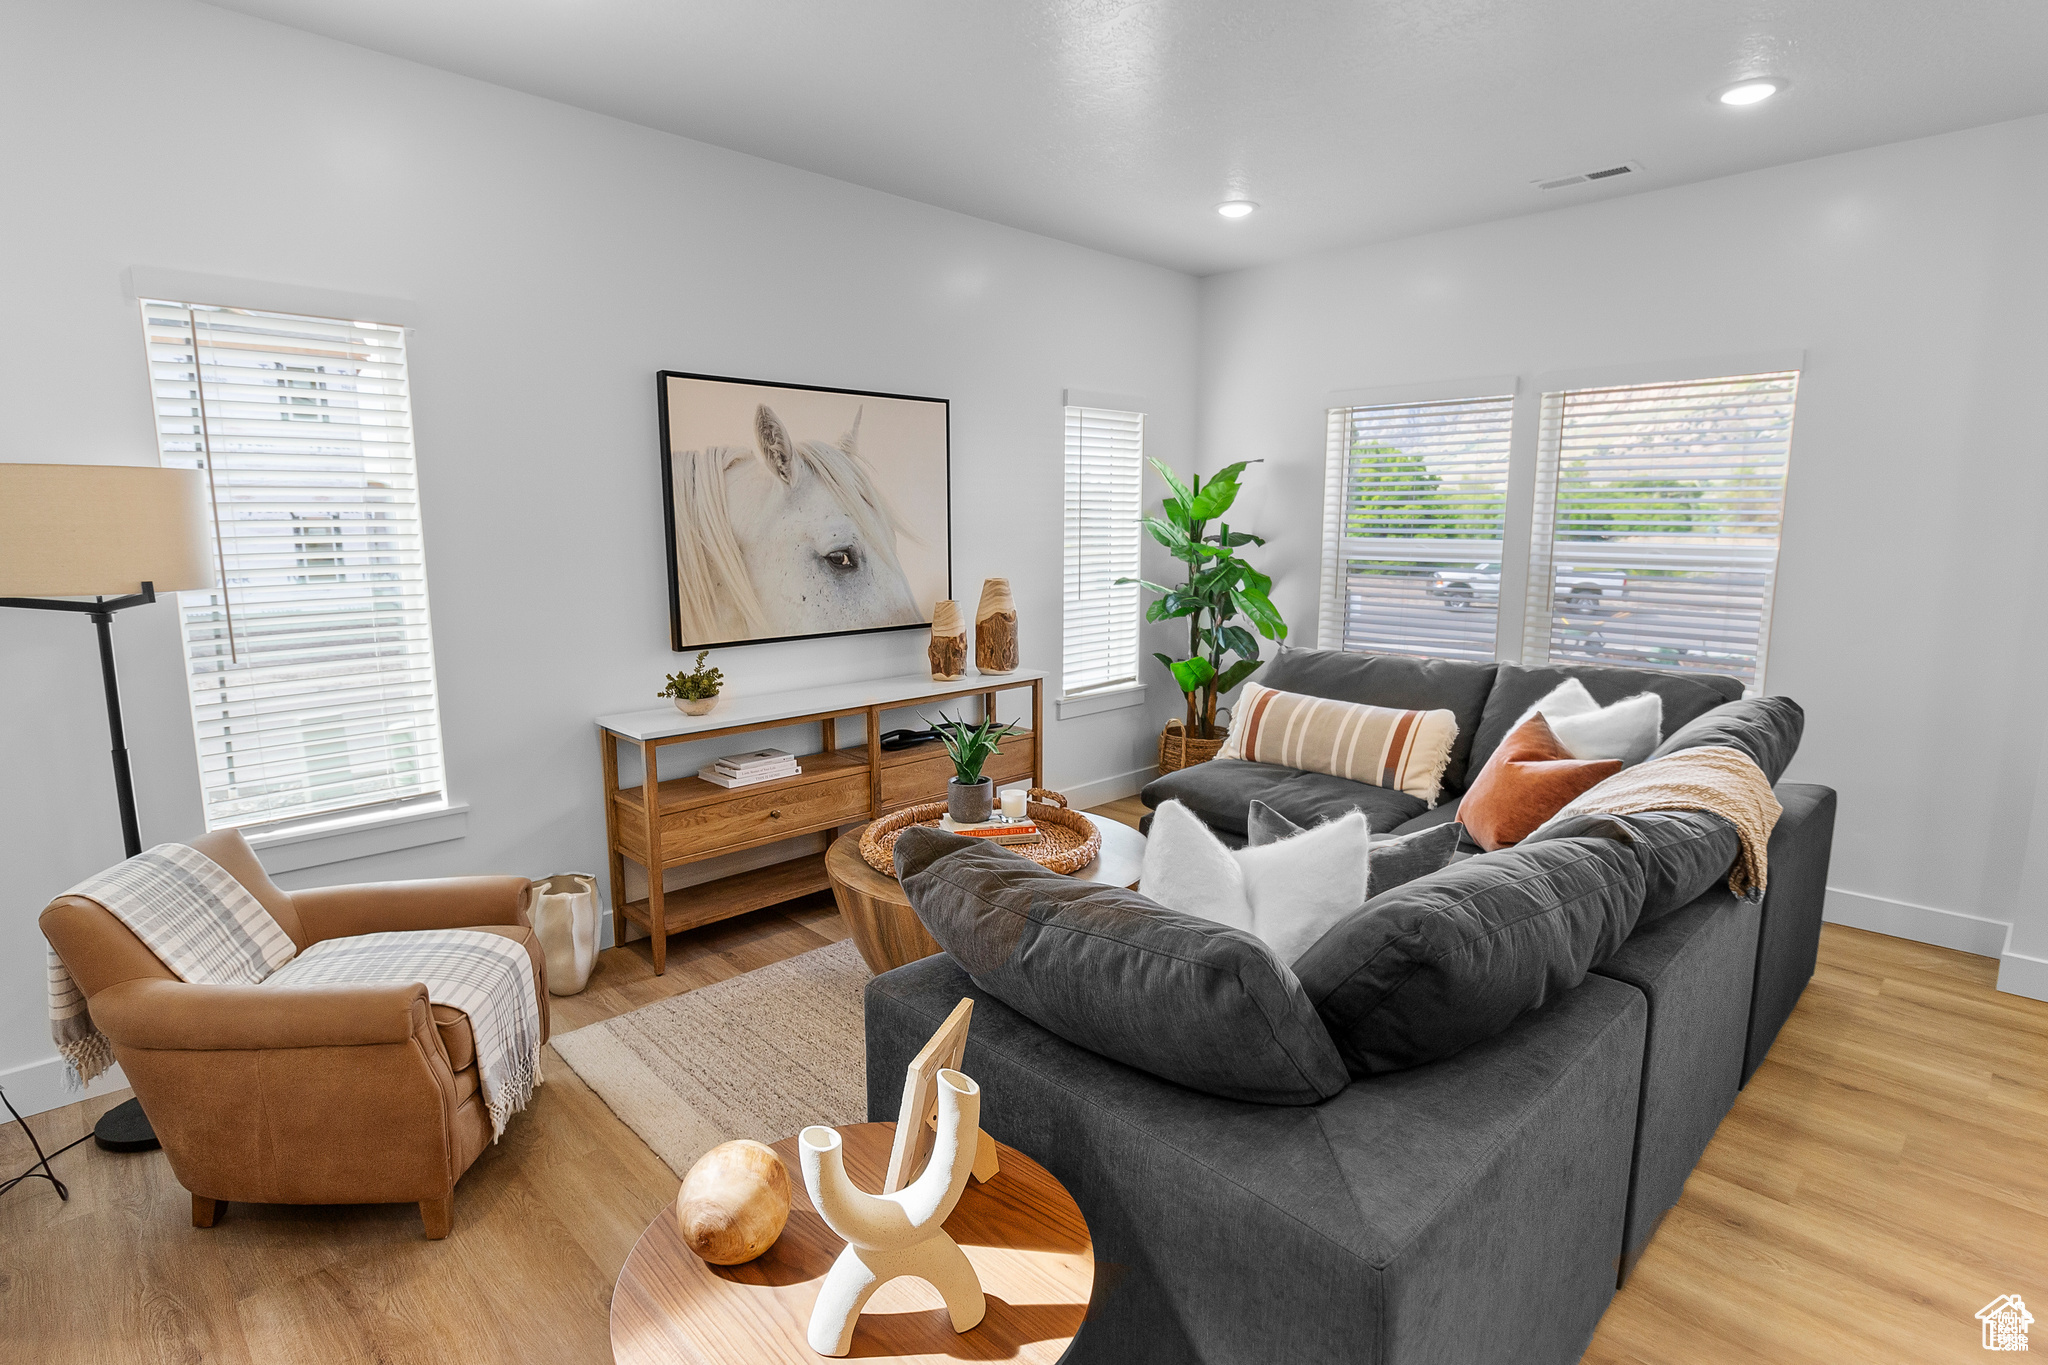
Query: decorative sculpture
point(948, 649)
point(734, 1202)
point(895, 1234)
point(995, 628)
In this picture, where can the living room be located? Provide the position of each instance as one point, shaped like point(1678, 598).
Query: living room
point(996, 261)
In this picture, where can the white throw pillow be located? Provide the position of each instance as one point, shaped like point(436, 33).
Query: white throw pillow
point(1628, 730)
point(1286, 894)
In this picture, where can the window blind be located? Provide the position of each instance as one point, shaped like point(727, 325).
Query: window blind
point(1415, 501)
point(1656, 528)
point(311, 666)
point(1105, 467)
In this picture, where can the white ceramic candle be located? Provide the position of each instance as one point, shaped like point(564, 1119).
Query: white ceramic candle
point(1013, 802)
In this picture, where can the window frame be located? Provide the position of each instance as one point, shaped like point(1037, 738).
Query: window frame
point(297, 838)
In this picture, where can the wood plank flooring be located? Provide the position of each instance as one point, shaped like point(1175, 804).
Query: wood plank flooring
point(1883, 1177)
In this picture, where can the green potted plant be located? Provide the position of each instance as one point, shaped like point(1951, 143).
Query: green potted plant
point(1220, 588)
point(695, 692)
point(970, 797)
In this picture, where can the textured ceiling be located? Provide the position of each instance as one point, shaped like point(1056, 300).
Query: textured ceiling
point(1120, 125)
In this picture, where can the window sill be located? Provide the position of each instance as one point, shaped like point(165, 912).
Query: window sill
point(1108, 699)
point(359, 836)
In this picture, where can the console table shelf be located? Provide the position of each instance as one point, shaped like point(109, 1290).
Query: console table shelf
point(663, 824)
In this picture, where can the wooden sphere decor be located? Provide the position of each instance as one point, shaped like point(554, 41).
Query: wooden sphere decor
point(734, 1202)
point(948, 649)
point(995, 628)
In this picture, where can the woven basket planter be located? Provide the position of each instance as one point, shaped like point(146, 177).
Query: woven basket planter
point(1178, 749)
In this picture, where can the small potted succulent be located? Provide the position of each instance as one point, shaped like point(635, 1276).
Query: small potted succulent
point(970, 797)
point(695, 692)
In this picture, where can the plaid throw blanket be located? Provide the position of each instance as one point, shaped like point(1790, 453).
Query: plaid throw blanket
point(199, 921)
point(1726, 782)
point(486, 976)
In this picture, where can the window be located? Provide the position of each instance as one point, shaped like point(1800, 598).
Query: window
point(1105, 466)
point(1655, 538)
point(311, 666)
point(1412, 553)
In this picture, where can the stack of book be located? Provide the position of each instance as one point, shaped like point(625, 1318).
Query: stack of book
point(1022, 830)
point(744, 770)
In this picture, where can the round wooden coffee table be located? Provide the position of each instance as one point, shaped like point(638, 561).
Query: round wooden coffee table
point(888, 932)
point(1022, 1231)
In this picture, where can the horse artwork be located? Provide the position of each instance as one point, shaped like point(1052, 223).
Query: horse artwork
point(797, 511)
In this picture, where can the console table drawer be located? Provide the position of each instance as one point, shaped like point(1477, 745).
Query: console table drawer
point(747, 818)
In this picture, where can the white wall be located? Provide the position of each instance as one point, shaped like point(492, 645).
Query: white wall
point(551, 260)
point(1909, 607)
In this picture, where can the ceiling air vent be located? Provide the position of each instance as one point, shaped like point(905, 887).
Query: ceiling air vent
point(1588, 177)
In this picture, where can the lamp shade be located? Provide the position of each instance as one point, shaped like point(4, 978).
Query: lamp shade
point(100, 530)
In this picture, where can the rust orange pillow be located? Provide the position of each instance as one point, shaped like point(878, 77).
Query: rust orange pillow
point(1529, 779)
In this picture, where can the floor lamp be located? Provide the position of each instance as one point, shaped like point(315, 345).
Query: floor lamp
point(119, 534)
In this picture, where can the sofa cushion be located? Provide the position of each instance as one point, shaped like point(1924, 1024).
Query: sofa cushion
point(1395, 859)
point(1765, 728)
point(1197, 1003)
point(1687, 696)
point(1684, 853)
point(1394, 680)
point(1222, 790)
point(1375, 745)
point(1434, 966)
point(1285, 894)
point(1627, 730)
point(1528, 779)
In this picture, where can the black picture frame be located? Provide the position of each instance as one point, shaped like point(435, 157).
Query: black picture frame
point(668, 506)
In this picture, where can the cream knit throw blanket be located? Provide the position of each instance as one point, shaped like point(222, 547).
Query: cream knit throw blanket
point(1724, 782)
point(199, 921)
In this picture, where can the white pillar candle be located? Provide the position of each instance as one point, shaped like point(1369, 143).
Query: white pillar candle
point(1013, 802)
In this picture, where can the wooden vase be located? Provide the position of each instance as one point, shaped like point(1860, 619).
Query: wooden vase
point(995, 628)
point(734, 1202)
point(948, 650)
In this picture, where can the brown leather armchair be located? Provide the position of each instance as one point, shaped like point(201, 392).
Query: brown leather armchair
point(302, 1095)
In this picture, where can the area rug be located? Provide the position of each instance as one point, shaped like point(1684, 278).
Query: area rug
point(759, 1056)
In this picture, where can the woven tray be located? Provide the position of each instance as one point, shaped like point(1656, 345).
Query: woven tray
point(1070, 840)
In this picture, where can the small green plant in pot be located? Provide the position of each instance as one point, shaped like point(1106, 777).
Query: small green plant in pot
point(695, 692)
point(970, 797)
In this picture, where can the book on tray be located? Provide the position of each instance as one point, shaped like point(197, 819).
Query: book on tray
point(1009, 833)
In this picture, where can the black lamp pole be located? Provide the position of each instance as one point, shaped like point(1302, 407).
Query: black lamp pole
point(124, 1128)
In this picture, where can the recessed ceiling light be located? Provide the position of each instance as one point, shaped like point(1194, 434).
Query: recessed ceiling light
point(1235, 208)
point(1755, 90)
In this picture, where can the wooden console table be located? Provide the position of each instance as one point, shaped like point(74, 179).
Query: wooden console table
point(664, 824)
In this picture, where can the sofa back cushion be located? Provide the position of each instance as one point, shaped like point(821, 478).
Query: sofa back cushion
point(1202, 1005)
point(1436, 965)
point(1394, 858)
point(1687, 696)
point(1765, 728)
point(1376, 746)
point(1395, 681)
point(1683, 853)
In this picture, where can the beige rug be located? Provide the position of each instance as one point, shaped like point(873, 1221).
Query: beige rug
point(759, 1056)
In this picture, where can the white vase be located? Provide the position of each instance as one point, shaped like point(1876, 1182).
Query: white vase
point(895, 1234)
point(565, 917)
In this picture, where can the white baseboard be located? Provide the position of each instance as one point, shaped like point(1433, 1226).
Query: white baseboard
point(1921, 923)
point(37, 1087)
point(2023, 974)
point(1082, 795)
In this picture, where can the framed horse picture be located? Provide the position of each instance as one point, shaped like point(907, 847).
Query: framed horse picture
point(798, 511)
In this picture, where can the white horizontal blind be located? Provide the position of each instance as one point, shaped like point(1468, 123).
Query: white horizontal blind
point(1105, 466)
point(1412, 556)
point(1657, 515)
point(311, 666)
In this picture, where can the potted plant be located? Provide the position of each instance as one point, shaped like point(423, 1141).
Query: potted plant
point(1220, 587)
point(970, 797)
point(695, 692)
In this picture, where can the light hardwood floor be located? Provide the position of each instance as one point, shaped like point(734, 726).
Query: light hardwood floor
point(1883, 1177)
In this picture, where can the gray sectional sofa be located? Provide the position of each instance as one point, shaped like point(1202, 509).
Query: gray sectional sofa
point(1481, 1208)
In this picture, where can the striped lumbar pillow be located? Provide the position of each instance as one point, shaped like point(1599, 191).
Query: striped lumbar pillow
point(1377, 745)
